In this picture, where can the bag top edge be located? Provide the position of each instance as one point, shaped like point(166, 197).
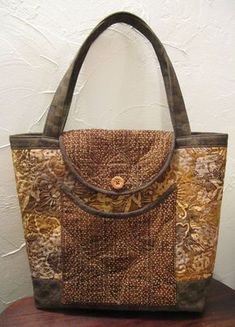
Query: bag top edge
point(197, 139)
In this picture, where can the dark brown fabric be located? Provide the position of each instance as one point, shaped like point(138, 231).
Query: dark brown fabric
point(33, 141)
point(126, 261)
point(202, 140)
point(96, 156)
point(191, 296)
point(36, 141)
point(47, 294)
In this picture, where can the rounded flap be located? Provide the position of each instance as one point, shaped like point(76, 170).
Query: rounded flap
point(117, 161)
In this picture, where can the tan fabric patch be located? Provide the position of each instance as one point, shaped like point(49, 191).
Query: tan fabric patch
point(39, 173)
point(43, 239)
point(100, 155)
point(119, 261)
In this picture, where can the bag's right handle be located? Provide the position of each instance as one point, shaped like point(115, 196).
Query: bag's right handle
point(61, 102)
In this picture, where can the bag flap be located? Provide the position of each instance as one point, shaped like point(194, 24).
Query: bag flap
point(119, 161)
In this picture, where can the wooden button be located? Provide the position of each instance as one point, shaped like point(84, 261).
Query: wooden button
point(117, 182)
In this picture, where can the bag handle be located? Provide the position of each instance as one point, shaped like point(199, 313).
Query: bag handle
point(61, 102)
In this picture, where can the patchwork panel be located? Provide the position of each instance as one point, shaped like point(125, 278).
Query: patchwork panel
point(119, 261)
point(197, 172)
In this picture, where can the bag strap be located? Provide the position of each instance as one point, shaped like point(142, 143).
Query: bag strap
point(61, 102)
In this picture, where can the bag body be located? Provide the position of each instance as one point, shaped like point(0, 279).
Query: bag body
point(120, 219)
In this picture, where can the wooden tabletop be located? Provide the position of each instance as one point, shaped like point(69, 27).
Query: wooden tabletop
point(220, 312)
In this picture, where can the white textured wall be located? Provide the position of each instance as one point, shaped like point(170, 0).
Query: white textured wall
point(120, 86)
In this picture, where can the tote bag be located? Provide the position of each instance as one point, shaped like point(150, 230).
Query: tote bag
point(120, 219)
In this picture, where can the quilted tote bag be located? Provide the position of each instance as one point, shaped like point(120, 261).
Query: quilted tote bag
point(120, 219)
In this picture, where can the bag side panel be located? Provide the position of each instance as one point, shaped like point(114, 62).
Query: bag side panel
point(199, 175)
point(38, 173)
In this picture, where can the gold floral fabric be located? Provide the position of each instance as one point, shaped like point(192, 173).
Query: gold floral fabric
point(197, 172)
point(38, 175)
point(199, 175)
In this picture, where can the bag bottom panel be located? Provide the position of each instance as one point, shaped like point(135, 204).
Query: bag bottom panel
point(191, 297)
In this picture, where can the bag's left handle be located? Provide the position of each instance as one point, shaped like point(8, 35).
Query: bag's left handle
point(61, 102)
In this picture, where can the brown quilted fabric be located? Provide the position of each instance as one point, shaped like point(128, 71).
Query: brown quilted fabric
point(119, 261)
point(99, 155)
